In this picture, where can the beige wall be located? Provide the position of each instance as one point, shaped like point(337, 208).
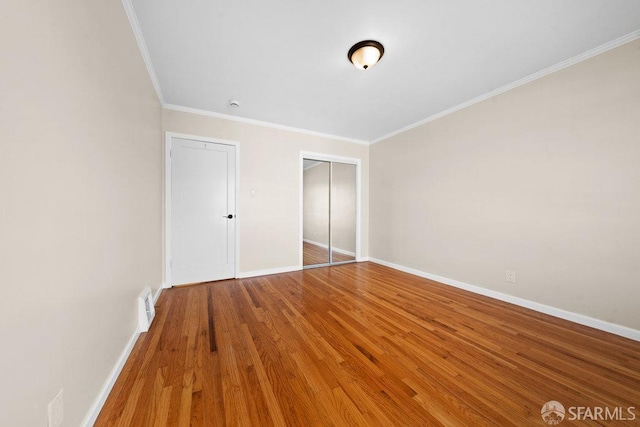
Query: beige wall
point(543, 180)
point(80, 204)
point(270, 164)
point(343, 205)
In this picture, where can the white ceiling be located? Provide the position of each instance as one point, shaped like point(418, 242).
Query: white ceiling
point(286, 62)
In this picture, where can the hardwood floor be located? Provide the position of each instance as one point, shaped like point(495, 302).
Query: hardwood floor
point(314, 254)
point(362, 344)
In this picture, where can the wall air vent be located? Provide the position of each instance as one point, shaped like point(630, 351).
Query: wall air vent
point(146, 310)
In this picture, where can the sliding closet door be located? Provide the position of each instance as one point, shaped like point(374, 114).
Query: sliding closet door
point(329, 212)
point(343, 212)
point(315, 210)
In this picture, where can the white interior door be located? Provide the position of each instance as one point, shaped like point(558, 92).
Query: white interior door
point(202, 211)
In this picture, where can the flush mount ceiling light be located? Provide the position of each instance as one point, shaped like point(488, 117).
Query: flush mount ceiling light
point(366, 54)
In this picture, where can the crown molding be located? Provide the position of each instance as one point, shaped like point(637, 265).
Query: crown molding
point(142, 45)
point(260, 123)
point(135, 26)
point(549, 70)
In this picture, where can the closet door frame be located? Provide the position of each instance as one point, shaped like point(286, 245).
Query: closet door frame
point(338, 159)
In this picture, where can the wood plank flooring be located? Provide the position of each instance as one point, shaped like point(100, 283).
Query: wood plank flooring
point(314, 254)
point(362, 345)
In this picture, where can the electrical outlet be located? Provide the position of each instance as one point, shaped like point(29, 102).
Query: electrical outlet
point(511, 276)
point(56, 410)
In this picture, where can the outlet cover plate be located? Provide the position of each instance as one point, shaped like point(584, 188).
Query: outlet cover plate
point(510, 276)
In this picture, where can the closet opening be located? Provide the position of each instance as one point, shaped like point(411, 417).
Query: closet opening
point(330, 210)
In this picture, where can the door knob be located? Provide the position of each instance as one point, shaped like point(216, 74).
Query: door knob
point(228, 216)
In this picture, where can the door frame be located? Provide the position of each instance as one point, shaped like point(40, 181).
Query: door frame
point(330, 158)
point(167, 199)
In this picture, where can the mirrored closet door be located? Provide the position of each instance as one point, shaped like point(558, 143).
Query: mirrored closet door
point(329, 212)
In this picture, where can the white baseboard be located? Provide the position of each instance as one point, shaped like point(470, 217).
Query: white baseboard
point(94, 411)
point(91, 416)
point(157, 295)
point(613, 328)
point(268, 271)
point(323, 246)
